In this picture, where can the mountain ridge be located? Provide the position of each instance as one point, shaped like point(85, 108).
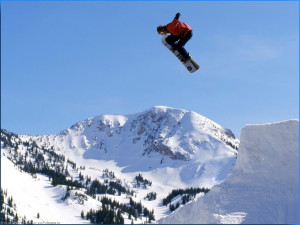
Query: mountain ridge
point(164, 148)
point(156, 124)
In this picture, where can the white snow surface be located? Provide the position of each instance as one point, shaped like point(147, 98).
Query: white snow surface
point(161, 140)
point(37, 195)
point(173, 148)
point(261, 189)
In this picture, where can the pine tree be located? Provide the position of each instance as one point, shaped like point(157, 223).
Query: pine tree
point(87, 216)
point(2, 218)
point(172, 207)
point(10, 202)
point(16, 218)
point(2, 199)
point(151, 216)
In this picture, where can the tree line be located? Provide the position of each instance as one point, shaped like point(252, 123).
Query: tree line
point(112, 212)
point(141, 181)
point(8, 208)
point(186, 195)
point(39, 160)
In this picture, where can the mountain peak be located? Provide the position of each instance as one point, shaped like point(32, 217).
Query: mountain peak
point(174, 148)
point(161, 108)
point(159, 131)
point(166, 109)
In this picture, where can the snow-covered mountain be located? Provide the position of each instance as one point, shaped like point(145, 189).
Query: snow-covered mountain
point(160, 131)
point(263, 186)
point(151, 141)
point(137, 160)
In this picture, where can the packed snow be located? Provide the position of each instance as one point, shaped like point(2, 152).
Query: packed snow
point(263, 186)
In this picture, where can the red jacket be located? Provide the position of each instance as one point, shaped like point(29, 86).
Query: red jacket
point(178, 28)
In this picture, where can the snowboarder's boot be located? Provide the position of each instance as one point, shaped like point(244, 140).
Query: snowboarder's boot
point(183, 59)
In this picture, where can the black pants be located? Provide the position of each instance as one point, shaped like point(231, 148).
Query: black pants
point(172, 39)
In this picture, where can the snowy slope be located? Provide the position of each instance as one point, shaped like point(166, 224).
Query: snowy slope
point(173, 148)
point(263, 186)
point(36, 195)
point(151, 141)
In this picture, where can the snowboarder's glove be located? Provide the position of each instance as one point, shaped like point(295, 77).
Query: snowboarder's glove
point(177, 15)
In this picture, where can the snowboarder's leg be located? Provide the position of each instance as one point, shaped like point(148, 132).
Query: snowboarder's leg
point(181, 43)
point(186, 56)
point(185, 39)
point(171, 39)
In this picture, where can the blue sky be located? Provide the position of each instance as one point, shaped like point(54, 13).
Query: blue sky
point(65, 61)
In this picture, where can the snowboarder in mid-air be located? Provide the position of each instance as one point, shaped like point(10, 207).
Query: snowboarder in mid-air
point(180, 34)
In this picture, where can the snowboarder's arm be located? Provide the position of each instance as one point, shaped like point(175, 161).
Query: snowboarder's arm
point(177, 15)
point(175, 19)
point(173, 23)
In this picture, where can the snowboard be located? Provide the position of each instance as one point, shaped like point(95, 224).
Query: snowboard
point(190, 64)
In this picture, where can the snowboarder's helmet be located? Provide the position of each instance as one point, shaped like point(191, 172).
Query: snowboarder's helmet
point(161, 29)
